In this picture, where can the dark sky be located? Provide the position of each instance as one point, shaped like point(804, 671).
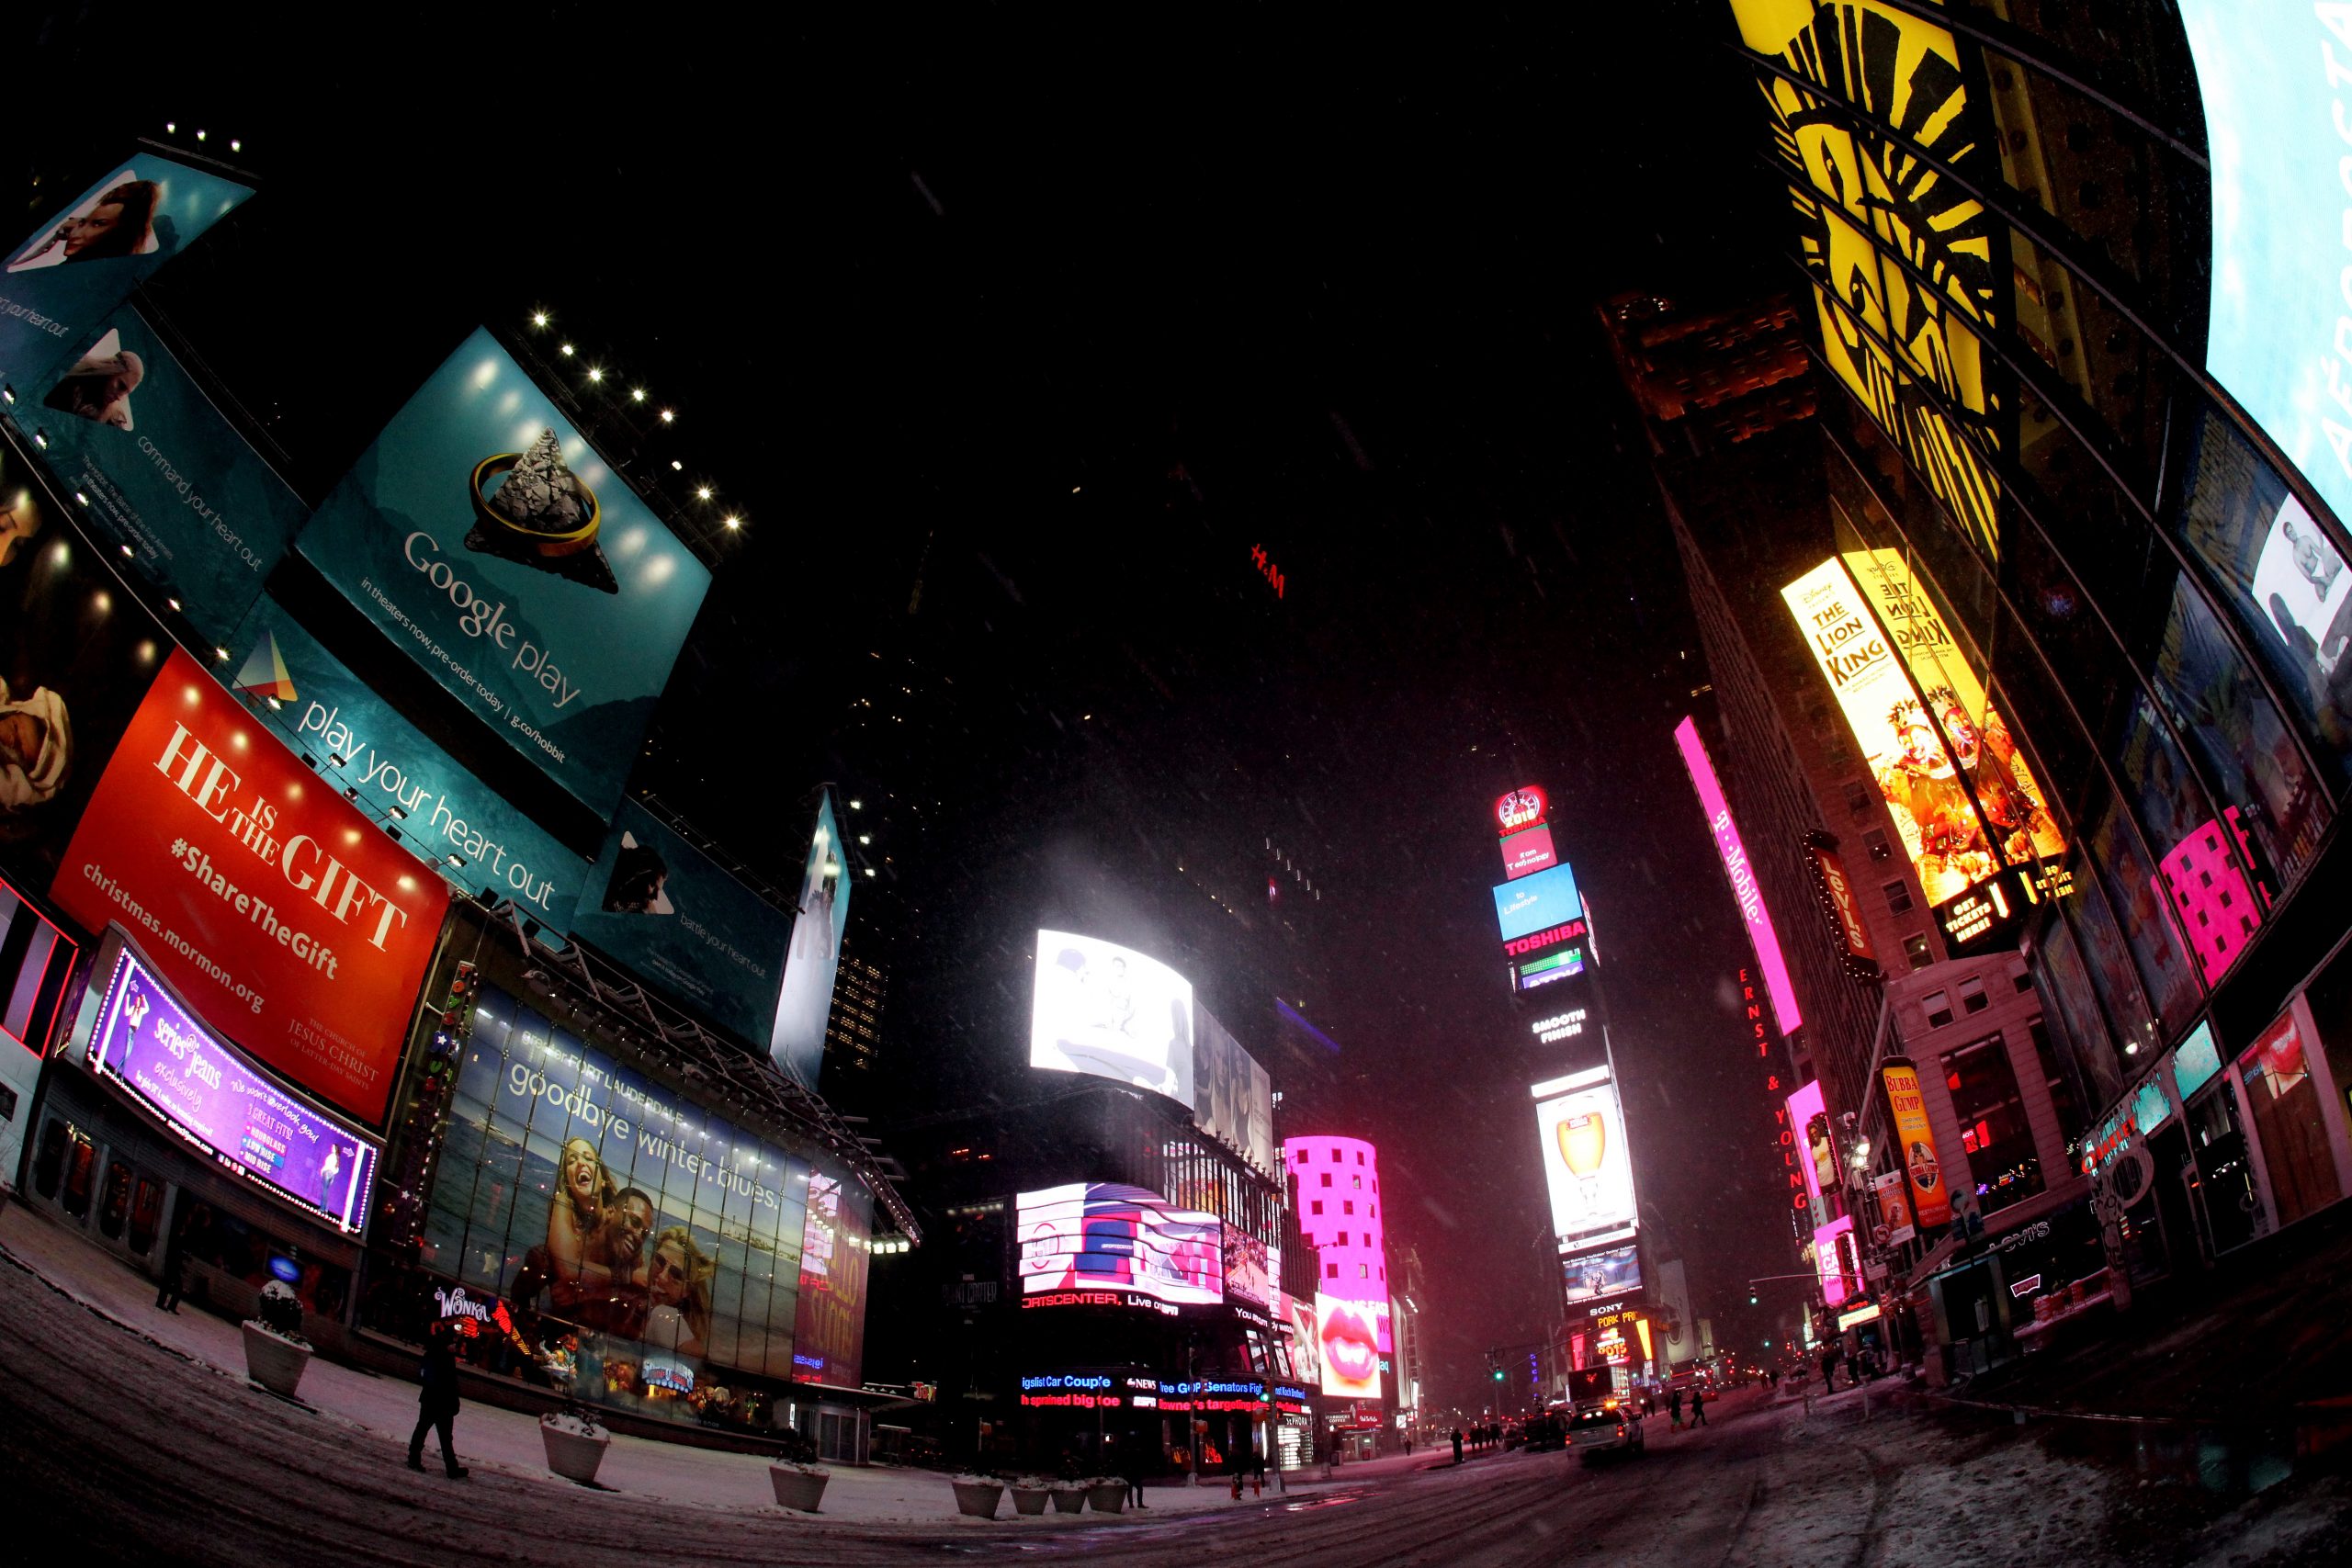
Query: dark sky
point(908, 289)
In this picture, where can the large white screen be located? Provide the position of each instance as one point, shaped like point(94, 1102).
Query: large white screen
point(1113, 1012)
point(1587, 1164)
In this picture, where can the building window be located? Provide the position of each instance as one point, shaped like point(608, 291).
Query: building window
point(1348, 1207)
point(1914, 948)
point(1972, 995)
point(1330, 1270)
point(2024, 978)
point(1938, 1006)
point(1874, 840)
point(1341, 1240)
point(2063, 1099)
point(1316, 1206)
point(2287, 1118)
point(1364, 1270)
point(1898, 897)
point(1358, 1182)
point(1992, 1128)
point(1359, 1156)
point(1859, 798)
point(1335, 1157)
point(1327, 1179)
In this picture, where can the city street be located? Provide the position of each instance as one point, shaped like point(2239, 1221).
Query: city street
point(138, 1455)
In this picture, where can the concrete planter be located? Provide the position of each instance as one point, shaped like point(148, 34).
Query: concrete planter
point(575, 1456)
point(977, 1498)
point(1110, 1497)
point(274, 1362)
point(1069, 1499)
point(1030, 1499)
point(800, 1489)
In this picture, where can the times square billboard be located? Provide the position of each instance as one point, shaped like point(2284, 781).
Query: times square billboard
point(1546, 928)
point(1587, 1163)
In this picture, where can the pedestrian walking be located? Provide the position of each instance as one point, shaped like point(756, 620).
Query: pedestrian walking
point(1457, 1445)
point(1698, 1407)
point(173, 1274)
point(1674, 1409)
point(1257, 1473)
point(436, 1405)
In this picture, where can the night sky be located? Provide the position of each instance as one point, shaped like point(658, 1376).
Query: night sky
point(1057, 323)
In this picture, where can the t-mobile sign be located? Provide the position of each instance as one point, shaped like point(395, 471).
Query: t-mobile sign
point(1742, 874)
point(209, 1095)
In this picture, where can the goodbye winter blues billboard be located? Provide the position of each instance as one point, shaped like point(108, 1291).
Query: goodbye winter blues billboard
point(1112, 1013)
point(647, 1237)
point(1587, 1166)
point(163, 471)
point(484, 535)
point(290, 923)
point(57, 286)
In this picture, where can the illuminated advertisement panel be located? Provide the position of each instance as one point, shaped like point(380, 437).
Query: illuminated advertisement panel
point(1112, 1013)
point(165, 473)
point(1598, 1276)
point(2271, 78)
point(486, 537)
point(1916, 777)
point(1751, 898)
point(1527, 852)
point(2012, 798)
point(1246, 1270)
point(668, 913)
point(1586, 1165)
point(1227, 1085)
point(829, 1329)
point(1893, 1210)
point(81, 264)
point(1535, 902)
point(204, 1092)
point(1904, 340)
point(1832, 1247)
point(1907, 1107)
point(1100, 1237)
point(1351, 1346)
point(1301, 1327)
point(1520, 809)
point(812, 962)
point(1844, 908)
point(1805, 1107)
point(291, 923)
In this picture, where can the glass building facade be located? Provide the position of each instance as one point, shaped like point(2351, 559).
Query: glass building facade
point(2029, 235)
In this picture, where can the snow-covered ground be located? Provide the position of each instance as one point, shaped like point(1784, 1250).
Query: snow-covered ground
point(134, 1435)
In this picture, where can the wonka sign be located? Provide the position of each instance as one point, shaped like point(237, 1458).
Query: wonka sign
point(288, 920)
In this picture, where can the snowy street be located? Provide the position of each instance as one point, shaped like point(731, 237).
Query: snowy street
point(139, 1453)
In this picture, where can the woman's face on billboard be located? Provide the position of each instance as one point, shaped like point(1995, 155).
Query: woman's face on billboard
point(666, 1276)
point(93, 226)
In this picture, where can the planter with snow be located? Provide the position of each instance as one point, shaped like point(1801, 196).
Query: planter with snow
point(978, 1496)
point(1030, 1493)
point(273, 1361)
point(1068, 1498)
point(1107, 1497)
point(799, 1486)
point(575, 1445)
point(275, 1352)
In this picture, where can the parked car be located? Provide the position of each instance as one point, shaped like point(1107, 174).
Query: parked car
point(1608, 1428)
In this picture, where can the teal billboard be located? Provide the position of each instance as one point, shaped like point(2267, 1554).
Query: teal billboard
point(358, 742)
point(159, 468)
point(660, 907)
point(58, 284)
point(486, 537)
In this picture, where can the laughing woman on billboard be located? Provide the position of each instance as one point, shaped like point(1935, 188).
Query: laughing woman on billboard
point(678, 1279)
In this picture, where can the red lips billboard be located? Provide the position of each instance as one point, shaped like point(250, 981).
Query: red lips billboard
point(280, 913)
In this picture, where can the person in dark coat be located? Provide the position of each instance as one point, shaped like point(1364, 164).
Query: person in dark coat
point(437, 1407)
point(173, 1276)
point(1698, 1407)
point(1457, 1445)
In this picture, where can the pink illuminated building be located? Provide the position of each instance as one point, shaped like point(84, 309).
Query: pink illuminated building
point(2209, 897)
point(1339, 1209)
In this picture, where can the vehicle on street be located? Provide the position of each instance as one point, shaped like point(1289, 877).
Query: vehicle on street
point(1609, 1426)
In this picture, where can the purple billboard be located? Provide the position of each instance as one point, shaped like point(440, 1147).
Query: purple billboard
point(207, 1093)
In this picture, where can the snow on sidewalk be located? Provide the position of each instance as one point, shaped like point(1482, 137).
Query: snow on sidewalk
point(508, 1441)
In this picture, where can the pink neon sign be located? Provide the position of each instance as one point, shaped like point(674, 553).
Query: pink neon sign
point(1742, 876)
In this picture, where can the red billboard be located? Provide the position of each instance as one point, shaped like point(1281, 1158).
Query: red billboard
point(280, 913)
point(1528, 849)
point(1845, 910)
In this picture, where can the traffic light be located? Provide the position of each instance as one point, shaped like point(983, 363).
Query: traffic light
point(1751, 1296)
point(1499, 1374)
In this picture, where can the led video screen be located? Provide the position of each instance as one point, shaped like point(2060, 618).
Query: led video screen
point(1598, 1276)
point(1103, 1237)
point(1586, 1163)
point(1112, 1013)
point(1351, 1334)
point(1526, 904)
